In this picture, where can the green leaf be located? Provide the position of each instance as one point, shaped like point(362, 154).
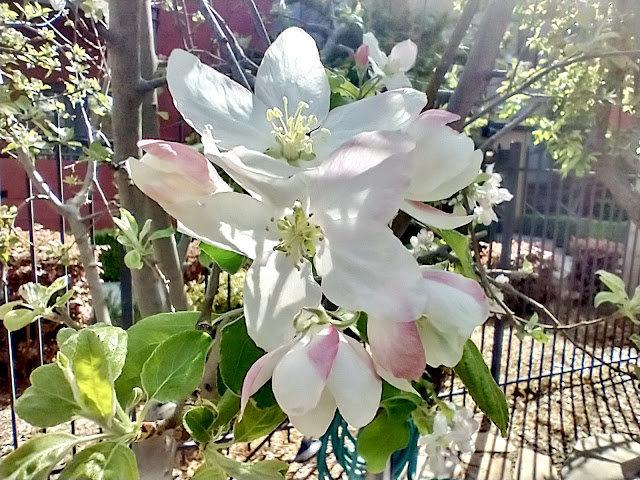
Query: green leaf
point(144, 337)
point(21, 317)
point(613, 282)
point(133, 260)
point(608, 297)
point(62, 300)
point(104, 461)
point(67, 340)
point(484, 390)
point(163, 233)
point(97, 361)
point(459, 243)
point(58, 284)
point(35, 459)
point(228, 261)
point(209, 470)
point(257, 422)
point(386, 434)
point(265, 470)
point(174, 369)
point(199, 422)
point(228, 406)
point(49, 400)
point(7, 307)
point(237, 353)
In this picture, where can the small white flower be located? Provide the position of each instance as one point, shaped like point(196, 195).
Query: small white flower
point(392, 68)
point(422, 243)
point(488, 195)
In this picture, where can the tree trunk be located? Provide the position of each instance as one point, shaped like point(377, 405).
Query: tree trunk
point(477, 71)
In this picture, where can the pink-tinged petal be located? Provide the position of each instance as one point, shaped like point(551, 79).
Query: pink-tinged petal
point(180, 159)
point(403, 55)
point(315, 422)
point(274, 292)
point(260, 373)
point(397, 347)
point(206, 98)
point(365, 178)
point(434, 217)
point(298, 381)
point(391, 110)
point(291, 68)
point(364, 267)
point(438, 118)
point(228, 220)
point(400, 383)
point(455, 307)
point(443, 162)
point(322, 352)
point(354, 383)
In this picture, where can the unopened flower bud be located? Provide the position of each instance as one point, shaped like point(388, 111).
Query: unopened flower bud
point(361, 56)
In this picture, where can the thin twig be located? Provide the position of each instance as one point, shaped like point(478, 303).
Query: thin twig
point(212, 290)
point(259, 23)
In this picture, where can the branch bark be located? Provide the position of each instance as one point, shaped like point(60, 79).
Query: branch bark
point(477, 70)
point(127, 120)
point(450, 51)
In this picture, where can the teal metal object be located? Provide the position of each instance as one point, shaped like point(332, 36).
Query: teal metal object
point(339, 441)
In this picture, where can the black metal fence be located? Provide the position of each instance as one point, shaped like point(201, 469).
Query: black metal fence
point(558, 231)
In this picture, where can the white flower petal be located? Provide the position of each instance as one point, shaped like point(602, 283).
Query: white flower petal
point(366, 268)
point(434, 217)
point(216, 219)
point(375, 54)
point(403, 55)
point(171, 172)
point(366, 177)
point(455, 307)
point(391, 379)
point(354, 383)
point(260, 373)
point(444, 161)
point(397, 80)
point(396, 346)
point(391, 110)
point(206, 97)
point(274, 292)
point(301, 375)
point(315, 422)
point(291, 67)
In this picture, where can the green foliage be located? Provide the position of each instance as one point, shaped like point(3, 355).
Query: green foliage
point(484, 390)
point(534, 330)
point(389, 431)
point(103, 461)
point(35, 459)
point(227, 260)
point(109, 257)
point(198, 421)
point(265, 470)
point(563, 227)
point(143, 338)
point(617, 295)
point(175, 368)
point(136, 240)
point(237, 353)
point(459, 243)
point(257, 422)
point(49, 401)
point(38, 301)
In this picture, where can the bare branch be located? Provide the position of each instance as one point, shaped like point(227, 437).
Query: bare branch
point(259, 24)
point(449, 53)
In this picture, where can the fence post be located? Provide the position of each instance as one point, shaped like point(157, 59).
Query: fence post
point(508, 165)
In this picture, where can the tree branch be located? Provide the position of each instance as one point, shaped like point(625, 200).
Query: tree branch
point(479, 65)
point(259, 24)
point(450, 51)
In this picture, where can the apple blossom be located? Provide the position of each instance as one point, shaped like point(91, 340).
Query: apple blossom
point(454, 307)
point(487, 195)
point(314, 374)
point(444, 162)
point(288, 118)
point(333, 218)
point(391, 69)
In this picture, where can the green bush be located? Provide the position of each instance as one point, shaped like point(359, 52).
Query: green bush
point(109, 258)
point(563, 227)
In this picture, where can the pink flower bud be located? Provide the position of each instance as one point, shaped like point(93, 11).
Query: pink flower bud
point(362, 56)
